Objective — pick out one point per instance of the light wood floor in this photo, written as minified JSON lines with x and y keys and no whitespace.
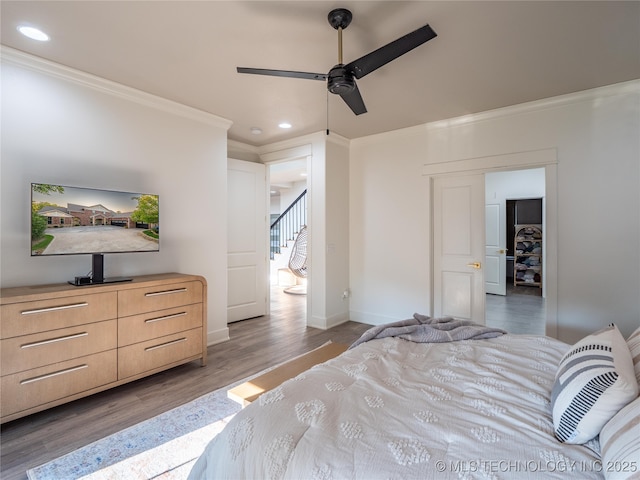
{"x":521,"y":311}
{"x":255,"y":344}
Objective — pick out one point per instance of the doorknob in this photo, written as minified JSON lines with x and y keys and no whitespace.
{"x":501,"y":251}
{"x":477,"y":265}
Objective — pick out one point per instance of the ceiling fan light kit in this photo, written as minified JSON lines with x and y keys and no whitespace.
{"x":341,"y":79}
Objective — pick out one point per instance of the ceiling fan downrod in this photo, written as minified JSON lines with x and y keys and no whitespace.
{"x":339,"y":80}
{"x":340,"y":45}
{"x":340,"y":18}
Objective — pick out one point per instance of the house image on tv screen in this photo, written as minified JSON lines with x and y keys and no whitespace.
{"x":80,"y":215}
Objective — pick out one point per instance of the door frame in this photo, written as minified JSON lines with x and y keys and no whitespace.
{"x":544,"y":158}
{"x":299,"y":152}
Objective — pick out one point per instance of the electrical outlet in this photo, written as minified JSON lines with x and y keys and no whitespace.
{"x":346,"y":294}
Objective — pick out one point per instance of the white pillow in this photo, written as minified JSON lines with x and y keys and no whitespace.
{"x":634,"y":347}
{"x":620,"y":443}
{"x":595,"y":379}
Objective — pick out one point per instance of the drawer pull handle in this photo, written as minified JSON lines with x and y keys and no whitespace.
{"x":53,"y":309}
{"x":162,"y":345}
{"x":166,"y":317}
{"x":53,"y":340}
{"x":54,"y":374}
{"x":165,"y":292}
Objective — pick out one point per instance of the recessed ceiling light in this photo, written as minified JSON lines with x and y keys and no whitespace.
{"x":256,"y":130}
{"x":33,"y":33}
{"x":284,"y":125}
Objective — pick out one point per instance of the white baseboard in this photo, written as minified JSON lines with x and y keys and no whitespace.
{"x":325,"y":323}
{"x":218,"y":336}
{"x":371,"y":318}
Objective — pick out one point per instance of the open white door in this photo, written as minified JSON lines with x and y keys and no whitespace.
{"x":247,"y":258}
{"x":459,"y":237}
{"x":495,"y":256}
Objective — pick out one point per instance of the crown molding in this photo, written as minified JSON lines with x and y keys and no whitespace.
{"x":303,"y":150}
{"x":311,"y":138}
{"x":338,"y":139}
{"x":512,"y":161}
{"x":52,"y":69}
{"x":245,"y":147}
{"x":624,"y":88}
{"x":299,"y":146}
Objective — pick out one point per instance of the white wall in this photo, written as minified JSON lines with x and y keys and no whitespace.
{"x":337,"y":233}
{"x":596,"y":137}
{"x":513,"y":185}
{"x":289,"y":195}
{"x":389,"y":216}
{"x":64,"y":127}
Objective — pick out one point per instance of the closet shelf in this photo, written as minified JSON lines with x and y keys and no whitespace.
{"x":527,"y":264}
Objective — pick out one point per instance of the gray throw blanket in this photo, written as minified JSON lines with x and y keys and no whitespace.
{"x":424,"y":329}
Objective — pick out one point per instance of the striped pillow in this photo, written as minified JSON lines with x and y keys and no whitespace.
{"x":595,"y":379}
{"x":620,"y":444}
{"x":634,"y":346}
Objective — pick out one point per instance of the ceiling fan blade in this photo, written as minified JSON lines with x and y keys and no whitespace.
{"x":354,"y":100}
{"x":283,"y":73}
{"x":376,"y":59}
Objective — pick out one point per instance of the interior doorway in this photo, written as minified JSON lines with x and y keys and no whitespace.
{"x":518,"y":303}
{"x":287,"y":192}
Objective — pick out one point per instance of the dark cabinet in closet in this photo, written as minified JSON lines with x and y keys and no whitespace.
{"x":521,"y":212}
{"x":527,"y":211}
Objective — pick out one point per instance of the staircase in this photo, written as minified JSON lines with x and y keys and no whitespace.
{"x":284,"y":230}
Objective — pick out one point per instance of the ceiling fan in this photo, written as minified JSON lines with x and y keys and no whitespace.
{"x":341,"y":79}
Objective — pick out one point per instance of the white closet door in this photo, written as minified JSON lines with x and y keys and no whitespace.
{"x":247,"y":258}
{"x":495,"y":256}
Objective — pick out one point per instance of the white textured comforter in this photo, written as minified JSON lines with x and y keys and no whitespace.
{"x":393,"y":409}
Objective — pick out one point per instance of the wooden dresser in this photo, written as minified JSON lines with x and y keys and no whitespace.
{"x":61,"y":342}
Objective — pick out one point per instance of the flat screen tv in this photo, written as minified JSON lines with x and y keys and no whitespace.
{"x":86,"y":221}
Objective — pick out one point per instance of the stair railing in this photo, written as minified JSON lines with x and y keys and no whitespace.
{"x":288,"y":224}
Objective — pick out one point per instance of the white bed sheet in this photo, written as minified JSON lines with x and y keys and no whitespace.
{"x":391,"y":408}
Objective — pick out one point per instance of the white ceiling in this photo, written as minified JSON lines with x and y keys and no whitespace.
{"x":486,"y":55}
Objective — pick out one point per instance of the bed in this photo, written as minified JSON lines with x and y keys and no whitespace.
{"x":392,"y":408}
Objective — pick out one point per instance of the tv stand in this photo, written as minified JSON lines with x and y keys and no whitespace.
{"x":60,"y":343}
{"x":97,"y":274}
{"x":89,"y":281}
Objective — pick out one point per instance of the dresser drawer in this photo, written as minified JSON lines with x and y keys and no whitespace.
{"x":139,"y":300}
{"x":146,"y":326}
{"x":36,"y":350}
{"x":141,"y":357}
{"x":31,"y":388}
{"x":55,"y":313}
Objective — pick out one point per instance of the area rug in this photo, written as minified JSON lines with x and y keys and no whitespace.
{"x":163,"y":447}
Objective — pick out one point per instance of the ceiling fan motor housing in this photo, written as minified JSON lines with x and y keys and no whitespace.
{"x":340,"y":80}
